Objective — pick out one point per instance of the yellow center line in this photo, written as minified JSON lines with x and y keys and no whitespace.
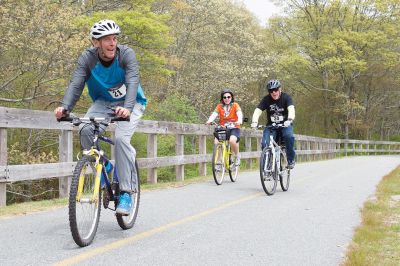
{"x":125,"y":241}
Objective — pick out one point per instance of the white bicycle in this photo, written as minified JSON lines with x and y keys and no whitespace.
{"x":274,"y":163}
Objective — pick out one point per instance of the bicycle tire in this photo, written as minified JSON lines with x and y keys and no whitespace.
{"x":233,"y":169}
{"x":218,"y":161}
{"x":127,"y":222}
{"x":284,"y":176}
{"x":84,"y":215}
{"x":268,"y":178}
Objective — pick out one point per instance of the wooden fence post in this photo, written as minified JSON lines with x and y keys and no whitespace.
{"x":179,"y":148}
{"x":3,"y":161}
{"x":202,"y":150}
{"x":152,"y":153}
{"x":65,"y":154}
{"x":247,"y":145}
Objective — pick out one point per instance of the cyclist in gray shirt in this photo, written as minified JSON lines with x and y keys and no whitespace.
{"x":111,"y":73}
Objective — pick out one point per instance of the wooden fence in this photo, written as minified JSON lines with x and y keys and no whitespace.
{"x":307,"y":148}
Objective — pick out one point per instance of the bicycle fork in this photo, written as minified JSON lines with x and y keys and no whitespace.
{"x":268,"y":160}
{"x":96,"y":189}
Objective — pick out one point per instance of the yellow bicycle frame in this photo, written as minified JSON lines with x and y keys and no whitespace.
{"x":99,"y":167}
{"x":225,"y":153}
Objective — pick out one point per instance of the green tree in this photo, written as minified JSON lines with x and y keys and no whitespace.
{"x":217,"y":44}
{"x":335,"y":51}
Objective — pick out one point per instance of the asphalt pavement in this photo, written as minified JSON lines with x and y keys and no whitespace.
{"x":205,"y":224}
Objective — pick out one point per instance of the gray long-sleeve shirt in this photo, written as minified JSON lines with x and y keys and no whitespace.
{"x":117,"y":82}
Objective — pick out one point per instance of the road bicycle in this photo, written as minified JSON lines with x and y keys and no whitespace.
{"x":90,"y":180}
{"x":274,"y":163}
{"x":222,"y":160}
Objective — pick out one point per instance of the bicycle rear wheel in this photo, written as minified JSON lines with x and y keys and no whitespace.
{"x":218,"y":166}
{"x":233,"y":168}
{"x":127,"y":222}
{"x":84,"y":209}
{"x":284,"y":176}
{"x":268,"y":177}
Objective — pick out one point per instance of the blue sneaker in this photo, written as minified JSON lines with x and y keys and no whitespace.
{"x":125,"y":204}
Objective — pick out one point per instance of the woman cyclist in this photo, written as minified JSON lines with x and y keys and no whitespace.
{"x":229,"y":112}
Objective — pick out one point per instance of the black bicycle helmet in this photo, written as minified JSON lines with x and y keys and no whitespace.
{"x":273,"y":84}
{"x":227,"y":90}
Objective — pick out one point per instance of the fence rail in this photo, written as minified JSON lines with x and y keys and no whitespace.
{"x":308,"y":148}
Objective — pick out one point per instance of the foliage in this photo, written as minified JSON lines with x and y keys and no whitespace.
{"x":34,"y":189}
{"x":344,"y":49}
{"x":174,"y":107}
{"x":217,"y":44}
{"x":38,"y":39}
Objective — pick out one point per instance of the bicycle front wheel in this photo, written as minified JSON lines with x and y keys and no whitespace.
{"x":233,"y":168}
{"x":268,"y":177}
{"x":84,"y":204}
{"x":127,"y":222}
{"x":284,"y":176}
{"x":218,"y":165}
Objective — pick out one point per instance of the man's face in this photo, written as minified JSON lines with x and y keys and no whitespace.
{"x":107,"y":47}
{"x":275,"y":93}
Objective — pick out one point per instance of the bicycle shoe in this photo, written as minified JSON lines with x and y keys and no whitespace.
{"x":291,"y":165}
{"x":237,"y":161}
{"x":125,"y":204}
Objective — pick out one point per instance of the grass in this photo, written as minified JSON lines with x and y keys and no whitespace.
{"x":377,"y":240}
{"x":37,"y":206}
{"x":30,"y":207}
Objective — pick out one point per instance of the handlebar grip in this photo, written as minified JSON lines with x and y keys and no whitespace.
{"x":117,"y":119}
{"x":65,"y":119}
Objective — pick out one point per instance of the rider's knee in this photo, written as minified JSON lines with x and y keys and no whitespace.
{"x":121,"y":141}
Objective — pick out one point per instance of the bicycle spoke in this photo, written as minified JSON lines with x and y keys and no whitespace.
{"x":267,"y":174}
{"x":218,"y":165}
{"x":233,"y":168}
{"x":284,"y":176}
{"x":84,"y":211}
{"x":127,"y":222}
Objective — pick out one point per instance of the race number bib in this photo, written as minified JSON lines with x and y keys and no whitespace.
{"x":118,"y":93}
{"x":276,"y":118}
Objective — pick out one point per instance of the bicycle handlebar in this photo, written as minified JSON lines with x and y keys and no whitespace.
{"x":272,"y":126}
{"x":229,"y":125}
{"x":104,"y":120}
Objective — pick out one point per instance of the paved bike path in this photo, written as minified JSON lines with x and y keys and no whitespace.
{"x":205,"y":224}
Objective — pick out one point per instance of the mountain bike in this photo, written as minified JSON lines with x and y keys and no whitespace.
{"x":222,"y":160}
{"x":90,"y":180}
{"x":274,"y":163}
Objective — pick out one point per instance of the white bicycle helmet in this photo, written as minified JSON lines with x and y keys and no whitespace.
{"x":103,"y":28}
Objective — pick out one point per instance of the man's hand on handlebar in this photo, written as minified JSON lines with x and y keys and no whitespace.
{"x":287,"y":123}
{"x":122,"y":112}
{"x":60,"y":112}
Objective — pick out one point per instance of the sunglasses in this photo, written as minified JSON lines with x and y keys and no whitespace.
{"x":226,"y":97}
{"x":274,"y":90}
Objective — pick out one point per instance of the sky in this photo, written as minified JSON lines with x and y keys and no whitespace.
{"x":263,"y":9}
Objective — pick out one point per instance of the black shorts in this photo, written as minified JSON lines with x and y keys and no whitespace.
{"x":236,"y":132}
